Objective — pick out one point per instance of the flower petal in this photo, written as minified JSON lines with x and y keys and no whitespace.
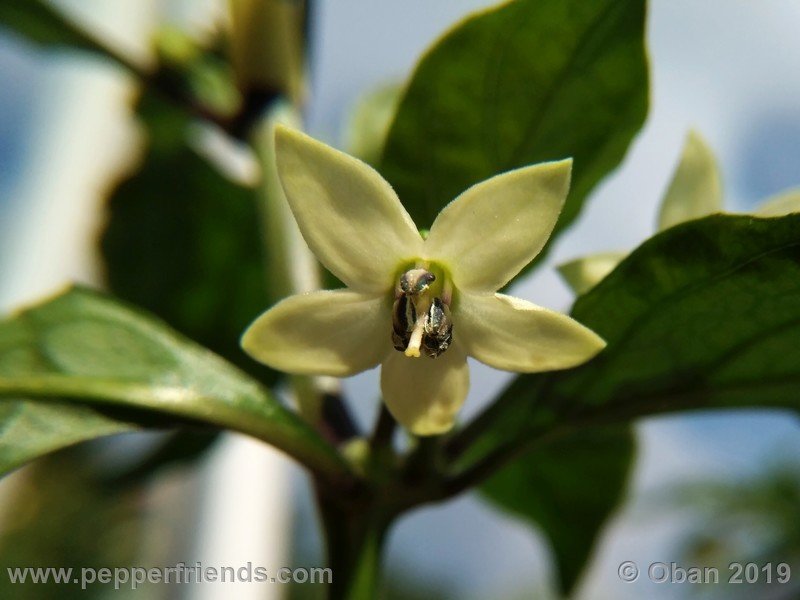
{"x":582,"y":274}
{"x":515,"y":335}
{"x":335,"y":333}
{"x":695,"y":190}
{"x":348,"y":214}
{"x":496,"y":227}
{"x":425,"y":394}
{"x":780,"y":205}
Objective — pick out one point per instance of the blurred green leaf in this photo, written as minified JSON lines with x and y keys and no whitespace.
{"x":567,"y":489}
{"x":703,"y":315}
{"x":183,"y":241}
{"x":749,"y":521}
{"x":89,"y":348}
{"x":55,"y":515}
{"x":44,"y":25}
{"x":369,"y":122}
{"x":531,"y":81}
{"x":29,"y":429}
{"x":200,"y":86}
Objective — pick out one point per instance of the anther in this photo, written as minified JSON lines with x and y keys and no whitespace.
{"x":404,"y":315}
{"x":438,"y":329}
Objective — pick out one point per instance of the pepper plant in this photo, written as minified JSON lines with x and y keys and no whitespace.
{"x":517,"y":113}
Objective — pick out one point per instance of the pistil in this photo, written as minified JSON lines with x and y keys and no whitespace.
{"x":415,"y":342}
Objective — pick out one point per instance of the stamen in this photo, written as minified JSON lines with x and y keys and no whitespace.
{"x":438,"y":329}
{"x":421,"y":321}
{"x":404,"y":315}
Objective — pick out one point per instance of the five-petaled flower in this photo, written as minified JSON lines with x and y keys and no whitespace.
{"x":417,"y":306}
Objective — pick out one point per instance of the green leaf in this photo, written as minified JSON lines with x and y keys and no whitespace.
{"x":43,"y":25}
{"x":705,"y":315}
{"x":29,"y":429}
{"x":531,"y":81}
{"x":90,"y":349}
{"x":567,"y":488}
{"x":184,"y":242}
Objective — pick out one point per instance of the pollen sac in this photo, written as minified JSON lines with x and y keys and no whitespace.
{"x":415,"y":282}
{"x":438,"y":329}
{"x":404,"y":315}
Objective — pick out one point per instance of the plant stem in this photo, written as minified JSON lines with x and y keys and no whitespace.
{"x":481,"y":470}
{"x":384,"y":430}
{"x":355,"y":527}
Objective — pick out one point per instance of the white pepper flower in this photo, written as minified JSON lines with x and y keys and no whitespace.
{"x":417,"y":307}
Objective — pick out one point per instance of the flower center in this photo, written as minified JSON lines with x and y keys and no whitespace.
{"x":421,"y":314}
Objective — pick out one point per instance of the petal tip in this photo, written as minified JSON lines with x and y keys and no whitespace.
{"x":283,"y":132}
{"x":427,"y":425}
{"x":289,"y":139}
{"x":565,"y":163}
{"x":564,"y":166}
{"x":431,"y":429}
{"x":599,"y":344}
{"x":250,"y":340}
{"x":592,"y":344}
{"x":558,"y":167}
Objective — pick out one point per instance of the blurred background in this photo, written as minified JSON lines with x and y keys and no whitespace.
{"x":707,"y":489}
